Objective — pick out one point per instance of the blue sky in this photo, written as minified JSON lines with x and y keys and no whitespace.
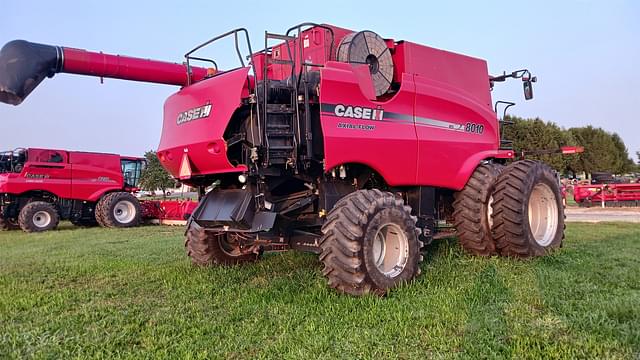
{"x":585,"y":54}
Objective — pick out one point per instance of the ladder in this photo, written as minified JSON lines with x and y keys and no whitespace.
{"x":281,"y":130}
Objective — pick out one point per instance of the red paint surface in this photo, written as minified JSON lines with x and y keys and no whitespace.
{"x":83,"y":62}
{"x":391,"y":148}
{"x":202,"y":139}
{"x":168,"y":209}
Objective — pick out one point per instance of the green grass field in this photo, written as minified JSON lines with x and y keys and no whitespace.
{"x":107,"y":293}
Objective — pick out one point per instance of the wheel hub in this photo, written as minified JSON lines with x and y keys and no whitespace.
{"x":543,"y":214}
{"x":124,"y":212}
{"x":390,"y":250}
{"x":41,"y":219}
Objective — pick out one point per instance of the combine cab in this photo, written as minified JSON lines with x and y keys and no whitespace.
{"x":344,"y":143}
{"x":40,"y":187}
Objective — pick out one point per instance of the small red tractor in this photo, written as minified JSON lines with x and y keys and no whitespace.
{"x":340,"y":142}
{"x":40,"y":187}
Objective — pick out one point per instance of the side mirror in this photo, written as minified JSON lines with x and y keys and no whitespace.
{"x":527,"y":84}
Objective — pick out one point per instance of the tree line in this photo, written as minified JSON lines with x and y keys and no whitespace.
{"x":603,"y":151}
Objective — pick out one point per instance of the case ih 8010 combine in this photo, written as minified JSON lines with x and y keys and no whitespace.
{"x":39,"y":187}
{"x":338,"y":142}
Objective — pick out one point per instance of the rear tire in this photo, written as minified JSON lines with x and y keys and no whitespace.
{"x":8,"y":224}
{"x":528,"y":216}
{"x":38,"y":216}
{"x":118,"y":209}
{"x":208,"y":249}
{"x":472,"y":211}
{"x":370,"y":243}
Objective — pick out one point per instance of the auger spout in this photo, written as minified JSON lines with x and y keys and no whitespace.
{"x":23,"y":66}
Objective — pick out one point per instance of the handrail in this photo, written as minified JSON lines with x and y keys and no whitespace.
{"x":215,"y":64}
{"x":235,"y":38}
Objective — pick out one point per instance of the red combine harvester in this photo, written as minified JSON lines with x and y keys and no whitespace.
{"x":40,"y":187}
{"x":337,"y":142}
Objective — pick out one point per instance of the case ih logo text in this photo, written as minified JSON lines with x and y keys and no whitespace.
{"x":194,"y":114}
{"x":36,"y":176}
{"x":357,"y":112}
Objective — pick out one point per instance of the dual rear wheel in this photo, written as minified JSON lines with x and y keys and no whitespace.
{"x":118,"y":209}
{"x":512,"y":211}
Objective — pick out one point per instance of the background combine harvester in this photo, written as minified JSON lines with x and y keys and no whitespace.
{"x":333,"y":141}
{"x":40,"y":187}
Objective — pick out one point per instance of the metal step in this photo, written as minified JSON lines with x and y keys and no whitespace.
{"x":279,"y":62}
{"x":278,"y":126}
{"x":280,"y":147}
{"x":280,"y":134}
{"x":279,"y":109}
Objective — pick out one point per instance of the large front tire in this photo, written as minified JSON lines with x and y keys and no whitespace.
{"x":370,"y":243}
{"x":472,"y":211}
{"x":38,"y":216}
{"x":208,"y":249}
{"x":528,"y":216}
{"x":118,"y":209}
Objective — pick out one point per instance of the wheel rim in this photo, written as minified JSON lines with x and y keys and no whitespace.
{"x":41,"y":219}
{"x":124,"y":212}
{"x":490,"y":212}
{"x":390,"y":250}
{"x":543,"y":214}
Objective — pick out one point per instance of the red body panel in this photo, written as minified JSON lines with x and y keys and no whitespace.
{"x":202,"y":138}
{"x":447,"y":154}
{"x":94,"y":175}
{"x":422,"y":139}
{"x":467,"y":75}
{"x":388,"y":147}
{"x":66,"y":174}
